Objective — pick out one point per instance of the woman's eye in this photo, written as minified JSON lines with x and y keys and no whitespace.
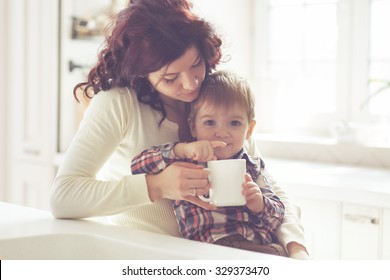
{"x":170,"y":81}
{"x":209,"y":122}
{"x":198,"y":63}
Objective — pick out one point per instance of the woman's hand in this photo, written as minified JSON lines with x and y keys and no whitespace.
{"x":180,"y":181}
{"x":297,"y":251}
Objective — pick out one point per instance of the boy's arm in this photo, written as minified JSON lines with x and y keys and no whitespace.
{"x":182,"y":151}
{"x":273,"y":210}
{"x":157,"y":158}
{"x":202,"y":150}
{"x":153,"y":160}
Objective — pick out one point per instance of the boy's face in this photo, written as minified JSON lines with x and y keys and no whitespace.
{"x":230,"y":126}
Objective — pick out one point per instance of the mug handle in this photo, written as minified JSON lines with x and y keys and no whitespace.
{"x":205,"y":199}
{"x":210,"y":198}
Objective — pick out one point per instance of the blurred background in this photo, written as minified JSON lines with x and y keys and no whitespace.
{"x":320,"y":70}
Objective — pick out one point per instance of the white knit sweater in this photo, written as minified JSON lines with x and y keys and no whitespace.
{"x":95,"y":178}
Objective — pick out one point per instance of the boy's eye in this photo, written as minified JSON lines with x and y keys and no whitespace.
{"x":235,"y":123}
{"x":209,"y":122}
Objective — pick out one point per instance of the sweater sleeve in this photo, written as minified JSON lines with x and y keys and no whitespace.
{"x":291,"y":229}
{"x":76,"y":193}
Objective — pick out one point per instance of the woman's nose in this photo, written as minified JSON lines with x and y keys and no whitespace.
{"x":190,"y":82}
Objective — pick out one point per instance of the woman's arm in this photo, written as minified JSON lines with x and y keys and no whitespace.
{"x":291,"y":233}
{"x":76,"y":193}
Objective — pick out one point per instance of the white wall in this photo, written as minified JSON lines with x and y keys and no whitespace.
{"x":2,"y":96}
{"x":233,"y":21}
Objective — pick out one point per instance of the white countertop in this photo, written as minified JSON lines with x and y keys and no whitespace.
{"x":28,"y":233}
{"x":361,"y":185}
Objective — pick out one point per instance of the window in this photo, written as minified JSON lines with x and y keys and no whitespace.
{"x":380,"y":57}
{"x":313,"y":60}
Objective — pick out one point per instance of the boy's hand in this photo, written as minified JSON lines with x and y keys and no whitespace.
{"x":253,"y":195}
{"x":202,"y":150}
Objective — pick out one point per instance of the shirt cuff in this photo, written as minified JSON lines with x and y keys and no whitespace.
{"x":167,"y":153}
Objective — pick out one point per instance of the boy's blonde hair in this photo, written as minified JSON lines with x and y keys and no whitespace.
{"x":224,"y":89}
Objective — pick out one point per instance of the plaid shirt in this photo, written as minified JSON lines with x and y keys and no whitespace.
{"x":199,"y":224}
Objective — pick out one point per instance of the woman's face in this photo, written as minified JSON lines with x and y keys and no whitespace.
{"x":181,"y":79}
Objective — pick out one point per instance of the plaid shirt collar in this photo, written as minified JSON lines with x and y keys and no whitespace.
{"x":253,"y":164}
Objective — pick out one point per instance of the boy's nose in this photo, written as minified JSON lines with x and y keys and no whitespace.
{"x":222,"y":133}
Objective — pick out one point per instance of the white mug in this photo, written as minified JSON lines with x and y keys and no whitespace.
{"x":226,"y":179}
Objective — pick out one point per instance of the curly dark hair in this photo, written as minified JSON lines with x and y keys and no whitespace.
{"x":147,"y":35}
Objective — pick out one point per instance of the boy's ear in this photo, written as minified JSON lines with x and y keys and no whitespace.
{"x":191,"y":125}
{"x":250,"y":129}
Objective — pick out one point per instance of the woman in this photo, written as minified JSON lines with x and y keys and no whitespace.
{"x":155,"y":58}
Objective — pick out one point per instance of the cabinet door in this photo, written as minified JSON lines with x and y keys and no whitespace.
{"x":321,"y":220}
{"x":386,"y":234}
{"x":360,"y":232}
{"x":31,"y":185}
{"x":33,"y":79}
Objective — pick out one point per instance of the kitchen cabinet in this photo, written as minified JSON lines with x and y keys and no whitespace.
{"x":322,"y":226}
{"x":344,"y":208}
{"x":360,"y":234}
{"x":46,"y":59}
{"x":336,"y":230}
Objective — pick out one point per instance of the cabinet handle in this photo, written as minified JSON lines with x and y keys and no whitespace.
{"x":361,"y":219}
{"x":32,"y":152}
{"x":72,"y":66}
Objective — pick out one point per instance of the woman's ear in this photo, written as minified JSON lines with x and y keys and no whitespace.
{"x":191,"y":125}
{"x":250,"y":129}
